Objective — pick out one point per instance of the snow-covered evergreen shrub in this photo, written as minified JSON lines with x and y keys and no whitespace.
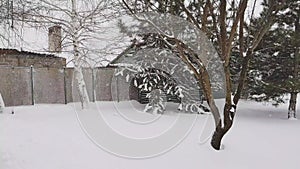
{"x":157,"y":102}
{"x":151,"y":64}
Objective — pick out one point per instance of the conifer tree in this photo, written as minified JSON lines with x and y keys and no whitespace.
{"x":275,"y":68}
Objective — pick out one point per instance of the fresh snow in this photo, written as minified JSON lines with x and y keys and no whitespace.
{"x":50,"y":137}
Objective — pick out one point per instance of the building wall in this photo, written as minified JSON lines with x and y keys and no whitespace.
{"x":15,"y":86}
{"x":16,"y":58}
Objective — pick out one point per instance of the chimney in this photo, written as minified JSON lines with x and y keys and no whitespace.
{"x":54,"y":38}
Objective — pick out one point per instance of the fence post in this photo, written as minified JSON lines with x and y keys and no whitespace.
{"x":32,"y":86}
{"x":117,"y":85}
{"x":12,"y":90}
{"x":93,"y":85}
{"x":65,"y":86}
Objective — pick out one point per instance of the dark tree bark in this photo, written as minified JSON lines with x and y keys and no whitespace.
{"x":231,"y":105}
{"x":293,"y":98}
{"x":223,"y":126}
{"x":292,"y":105}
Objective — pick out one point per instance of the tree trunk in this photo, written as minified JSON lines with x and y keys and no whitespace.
{"x":79,"y":80}
{"x":81,"y":86}
{"x":218,"y":135}
{"x":292,"y":105}
{"x":293,"y":98}
{"x":78,"y":75}
{"x":226,"y":46}
{"x":223,"y":127}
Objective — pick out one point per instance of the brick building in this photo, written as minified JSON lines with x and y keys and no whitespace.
{"x":15,"y":58}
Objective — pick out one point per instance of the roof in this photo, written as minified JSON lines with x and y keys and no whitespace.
{"x":7,"y":51}
{"x":116,"y":59}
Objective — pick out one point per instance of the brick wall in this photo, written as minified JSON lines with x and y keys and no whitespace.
{"x":17,"y":58}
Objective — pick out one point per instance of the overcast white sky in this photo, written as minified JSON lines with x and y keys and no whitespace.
{"x":258,"y":7}
{"x":37,"y":39}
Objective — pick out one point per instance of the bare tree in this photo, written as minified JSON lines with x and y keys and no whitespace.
{"x":5,"y":20}
{"x":82,"y":24}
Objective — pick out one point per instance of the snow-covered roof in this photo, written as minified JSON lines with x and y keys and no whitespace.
{"x":8,"y":51}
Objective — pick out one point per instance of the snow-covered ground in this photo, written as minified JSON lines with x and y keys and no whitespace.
{"x":51,"y":137}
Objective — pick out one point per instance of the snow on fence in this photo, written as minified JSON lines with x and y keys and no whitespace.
{"x":28,"y":85}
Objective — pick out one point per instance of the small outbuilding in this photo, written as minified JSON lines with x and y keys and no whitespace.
{"x":16,"y":58}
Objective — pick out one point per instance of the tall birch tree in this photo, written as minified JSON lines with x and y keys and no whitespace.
{"x":82,"y":24}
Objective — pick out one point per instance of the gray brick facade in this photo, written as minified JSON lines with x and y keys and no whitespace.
{"x":15,"y":58}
